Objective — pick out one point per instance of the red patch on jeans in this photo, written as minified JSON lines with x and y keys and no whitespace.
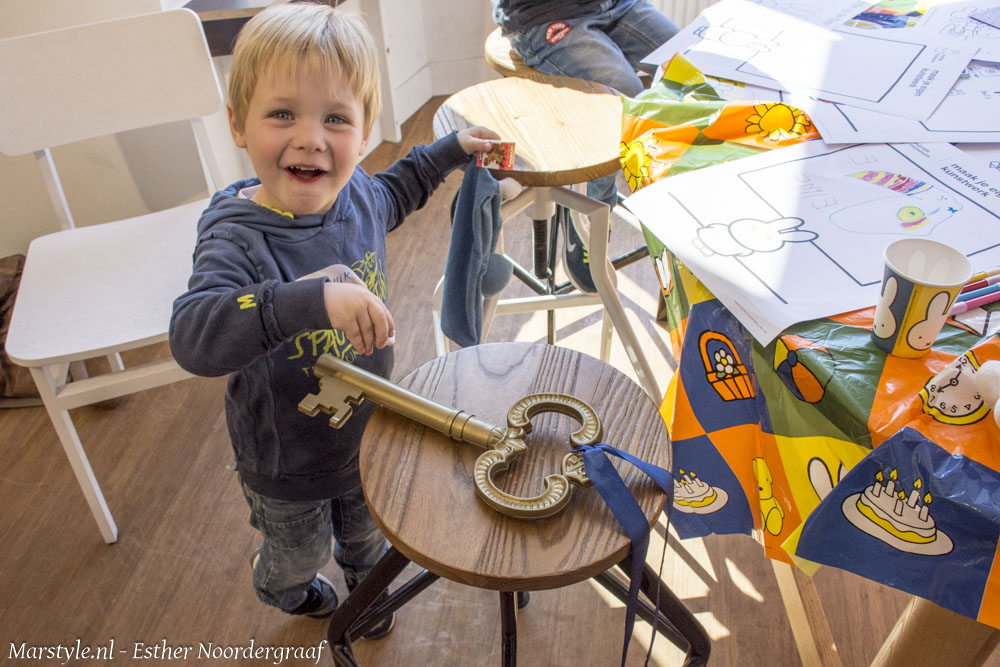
{"x":555,"y":32}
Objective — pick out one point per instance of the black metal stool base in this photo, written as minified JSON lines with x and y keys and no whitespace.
{"x":357,"y":614}
{"x":353,"y":617}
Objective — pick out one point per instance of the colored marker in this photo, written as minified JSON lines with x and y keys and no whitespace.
{"x":963,"y":306}
{"x":992,"y":280}
{"x":983,"y":275}
{"x":976,"y":293}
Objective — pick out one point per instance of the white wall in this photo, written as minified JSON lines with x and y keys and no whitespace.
{"x":431,"y":47}
{"x":682,"y":12}
{"x":455,"y":34}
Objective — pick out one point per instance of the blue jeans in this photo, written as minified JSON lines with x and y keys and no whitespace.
{"x":605,"y":47}
{"x":297,"y":538}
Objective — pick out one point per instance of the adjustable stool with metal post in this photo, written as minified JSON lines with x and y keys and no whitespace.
{"x":506,"y":61}
{"x":566,"y":132}
{"x":423,"y":488}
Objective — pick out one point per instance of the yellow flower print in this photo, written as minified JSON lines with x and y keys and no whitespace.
{"x":635,"y":162}
{"x":774,"y":121}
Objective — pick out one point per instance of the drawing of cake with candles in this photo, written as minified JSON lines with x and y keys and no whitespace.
{"x":693,"y":496}
{"x":902,"y":520}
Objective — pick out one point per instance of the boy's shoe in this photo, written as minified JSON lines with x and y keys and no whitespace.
{"x":576,"y":257}
{"x":320,"y":600}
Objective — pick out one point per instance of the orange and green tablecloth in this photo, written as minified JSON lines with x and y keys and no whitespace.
{"x":819,"y":445}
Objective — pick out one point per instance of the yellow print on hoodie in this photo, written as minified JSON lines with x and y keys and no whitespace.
{"x":310,"y":344}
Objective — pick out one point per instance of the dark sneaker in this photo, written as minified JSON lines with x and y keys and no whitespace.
{"x":576,"y":257}
{"x":320,"y":600}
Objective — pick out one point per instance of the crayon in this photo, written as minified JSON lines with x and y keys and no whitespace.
{"x":976,"y":293}
{"x":963,"y":306}
{"x":992,"y":280}
{"x":983,"y":275}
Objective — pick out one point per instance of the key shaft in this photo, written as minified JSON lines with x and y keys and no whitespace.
{"x":342,"y":385}
{"x":453,"y":422}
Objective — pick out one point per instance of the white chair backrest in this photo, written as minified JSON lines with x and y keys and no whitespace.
{"x":21,"y":17}
{"x":101,"y":78}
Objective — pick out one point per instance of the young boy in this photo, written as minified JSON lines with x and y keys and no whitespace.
{"x":291,"y":265}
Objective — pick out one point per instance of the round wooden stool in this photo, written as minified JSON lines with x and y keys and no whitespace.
{"x":565,"y":133}
{"x":567,"y":130}
{"x":419,"y":487}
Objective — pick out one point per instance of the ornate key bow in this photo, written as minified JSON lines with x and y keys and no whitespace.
{"x":343,"y":384}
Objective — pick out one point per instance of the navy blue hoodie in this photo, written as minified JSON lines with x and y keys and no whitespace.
{"x":246,"y":314}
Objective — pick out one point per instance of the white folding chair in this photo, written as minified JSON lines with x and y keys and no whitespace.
{"x":98,"y":290}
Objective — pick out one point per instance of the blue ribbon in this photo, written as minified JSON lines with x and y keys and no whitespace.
{"x":619,"y":500}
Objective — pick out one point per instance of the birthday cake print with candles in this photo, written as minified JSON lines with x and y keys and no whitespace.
{"x":885,"y":511}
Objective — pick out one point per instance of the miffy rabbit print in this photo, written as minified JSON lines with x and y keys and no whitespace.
{"x":747,"y":236}
{"x":922,"y":280}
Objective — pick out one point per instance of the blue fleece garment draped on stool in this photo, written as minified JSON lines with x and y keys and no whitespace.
{"x":473,"y":271}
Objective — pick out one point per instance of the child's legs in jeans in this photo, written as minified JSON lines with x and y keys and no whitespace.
{"x":581,"y":50}
{"x":639,"y":29}
{"x":359,"y":543}
{"x":605,"y":46}
{"x":296,"y":544}
{"x":297,"y":537}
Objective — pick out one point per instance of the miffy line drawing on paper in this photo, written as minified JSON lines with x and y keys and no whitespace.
{"x":748,"y":235}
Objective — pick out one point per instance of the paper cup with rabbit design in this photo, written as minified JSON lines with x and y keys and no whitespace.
{"x":919,"y":286}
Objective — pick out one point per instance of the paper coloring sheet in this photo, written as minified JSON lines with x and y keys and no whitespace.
{"x":831,"y":14}
{"x":826,"y":13}
{"x":947,"y":22}
{"x":756,"y":45}
{"x":970,"y":113}
{"x":798,"y":233}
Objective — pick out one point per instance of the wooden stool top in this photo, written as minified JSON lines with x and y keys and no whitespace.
{"x":419,"y":485}
{"x":566,"y":132}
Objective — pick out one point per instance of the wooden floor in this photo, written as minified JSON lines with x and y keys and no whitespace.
{"x":179,"y":575}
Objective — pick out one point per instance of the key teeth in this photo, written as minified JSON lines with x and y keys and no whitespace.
{"x":339,"y":417}
{"x":310,"y":405}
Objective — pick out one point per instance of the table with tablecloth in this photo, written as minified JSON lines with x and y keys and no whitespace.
{"x":819,"y":445}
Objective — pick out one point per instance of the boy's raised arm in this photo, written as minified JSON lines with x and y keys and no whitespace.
{"x":409,"y":182}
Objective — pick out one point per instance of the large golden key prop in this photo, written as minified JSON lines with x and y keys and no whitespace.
{"x":342,"y":384}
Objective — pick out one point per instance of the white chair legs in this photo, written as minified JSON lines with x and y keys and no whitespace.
{"x":59,"y":396}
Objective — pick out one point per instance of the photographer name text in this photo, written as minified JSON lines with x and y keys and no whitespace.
{"x":164,"y":650}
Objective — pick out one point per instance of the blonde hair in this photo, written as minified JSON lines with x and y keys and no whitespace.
{"x":284,"y":37}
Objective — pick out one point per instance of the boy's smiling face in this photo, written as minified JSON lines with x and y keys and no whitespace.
{"x":304,"y":135}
